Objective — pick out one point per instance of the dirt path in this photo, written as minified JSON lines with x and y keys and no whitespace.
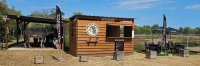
{"x":60,"y":58}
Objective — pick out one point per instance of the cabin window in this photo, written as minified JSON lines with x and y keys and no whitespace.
{"x":113,"y":31}
{"x":119,"y":31}
{"x":127,"y":31}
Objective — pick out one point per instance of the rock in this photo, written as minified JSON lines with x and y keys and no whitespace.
{"x":184,"y":53}
{"x":151,"y":54}
{"x":83,"y":58}
{"x":39,"y":59}
{"x":118,"y":55}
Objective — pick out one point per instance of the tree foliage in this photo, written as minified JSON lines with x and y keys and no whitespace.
{"x":146,"y":29}
{"x":78,"y":13}
{"x":4,"y":10}
{"x":49,"y":13}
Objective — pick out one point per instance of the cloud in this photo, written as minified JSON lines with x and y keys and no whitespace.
{"x":139,"y":4}
{"x":193,"y":6}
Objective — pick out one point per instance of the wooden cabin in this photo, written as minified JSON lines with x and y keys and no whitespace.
{"x":100,"y":36}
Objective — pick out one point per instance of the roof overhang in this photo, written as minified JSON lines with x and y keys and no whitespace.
{"x":100,"y":18}
{"x":33,"y":19}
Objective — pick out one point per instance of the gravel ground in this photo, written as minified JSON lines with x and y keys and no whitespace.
{"x":60,"y":58}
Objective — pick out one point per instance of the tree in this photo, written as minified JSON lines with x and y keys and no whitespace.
{"x":4,"y":9}
{"x":78,"y":13}
{"x":138,"y":29}
{"x":180,"y":30}
{"x":147,"y":29}
{"x":49,"y":13}
{"x":155,"y":27}
{"x":187,"y":30}
{"x":197,"y":31}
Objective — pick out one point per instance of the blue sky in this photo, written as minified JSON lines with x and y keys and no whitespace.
{"x":180,"y":13}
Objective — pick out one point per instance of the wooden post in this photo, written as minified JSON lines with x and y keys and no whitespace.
{"x":197,"y":39}
{"x":23,"y":30}
{"x":25,"y":24}
{"x":133,"y":34}
{"x":63,"y":35}
{"x":6,"y":34}
{"x":133,"y":29}
{"x":17,"y":30}
{"x":6,"y":31}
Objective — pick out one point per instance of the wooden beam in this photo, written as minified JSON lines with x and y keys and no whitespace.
{"x":6,"y":33}
{"x":24,"y":29}
{"x":33,"y":19}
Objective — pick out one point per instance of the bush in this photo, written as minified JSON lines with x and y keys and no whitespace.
{"x":139,"y":48}
{"x":66,"y":36}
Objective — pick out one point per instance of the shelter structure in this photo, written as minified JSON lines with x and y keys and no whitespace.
{"x":28,"y":19}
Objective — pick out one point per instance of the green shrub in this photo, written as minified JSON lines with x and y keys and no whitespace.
{"x":139,"y":48}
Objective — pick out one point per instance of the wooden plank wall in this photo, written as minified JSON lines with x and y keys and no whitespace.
{"x":103,"y":47}
{"x":73,"y":39}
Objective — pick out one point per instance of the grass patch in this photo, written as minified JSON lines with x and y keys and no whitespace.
{"x":167,"y":53}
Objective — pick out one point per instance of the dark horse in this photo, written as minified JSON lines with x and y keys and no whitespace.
{"x":42,"y":35}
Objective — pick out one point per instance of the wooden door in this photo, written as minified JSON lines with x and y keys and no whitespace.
{"x":119,"y":45}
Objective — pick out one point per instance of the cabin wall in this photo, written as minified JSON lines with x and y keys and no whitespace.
{"x":73,"y":39}
{"x":79,"y":45}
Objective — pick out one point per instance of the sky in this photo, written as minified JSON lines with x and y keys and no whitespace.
{"x":179,"y":13}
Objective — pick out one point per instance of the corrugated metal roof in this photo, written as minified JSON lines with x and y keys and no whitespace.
{"x":100,"y":18}
{"x":33,"y":19}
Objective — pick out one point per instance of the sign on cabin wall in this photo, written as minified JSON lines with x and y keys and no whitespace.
{"x":92,"y":29}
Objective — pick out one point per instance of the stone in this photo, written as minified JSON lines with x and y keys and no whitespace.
{"x":184,"y":53}
{"x":39,"y":59}
{"x":83,"y":58}
{"x":118,"y":55}
{"x":151,"y":54}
